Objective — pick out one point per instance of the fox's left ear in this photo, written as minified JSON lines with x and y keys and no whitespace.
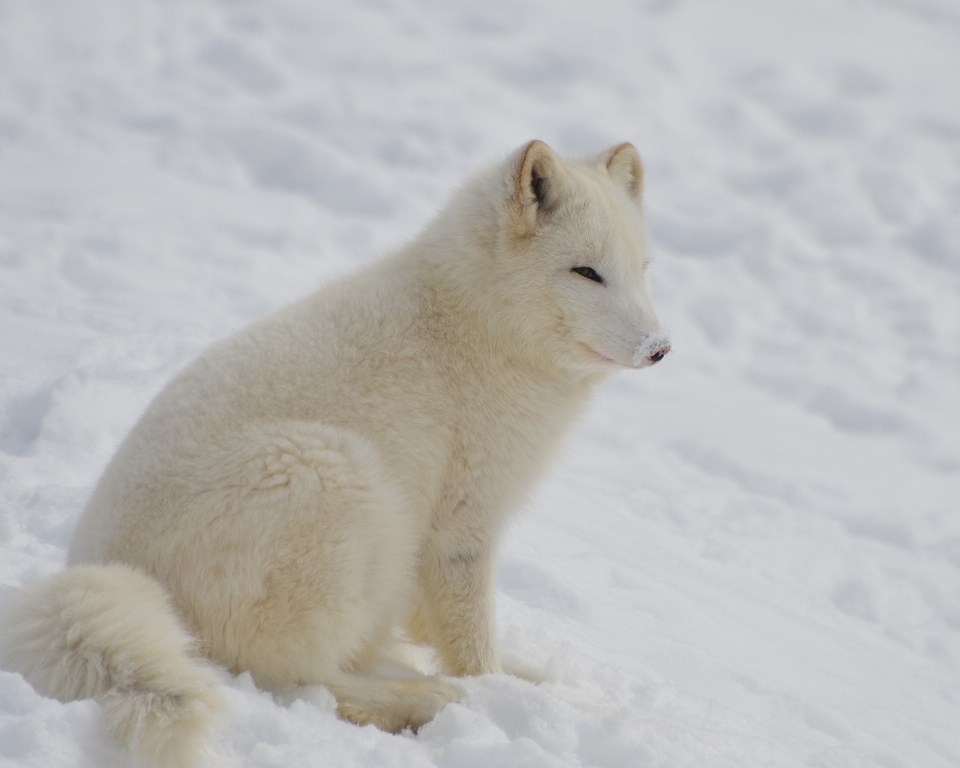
{"x":625,"y":168}
{"x":534,"y":179}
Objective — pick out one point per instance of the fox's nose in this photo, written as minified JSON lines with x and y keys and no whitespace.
{"x":653,"y":348}
{"x":657,"y":356}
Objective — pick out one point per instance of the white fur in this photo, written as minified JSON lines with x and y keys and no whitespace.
{"x":345,"y":466}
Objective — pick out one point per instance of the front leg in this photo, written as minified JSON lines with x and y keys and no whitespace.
{"x":457,"y":611}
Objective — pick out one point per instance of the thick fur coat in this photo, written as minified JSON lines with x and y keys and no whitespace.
{"x":344,"y":467}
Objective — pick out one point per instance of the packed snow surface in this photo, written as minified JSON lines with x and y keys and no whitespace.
{"x":749,"y":554}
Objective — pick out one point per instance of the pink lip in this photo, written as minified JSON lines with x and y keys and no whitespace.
{"x":603,"y":358}
{"x":647,"y":362}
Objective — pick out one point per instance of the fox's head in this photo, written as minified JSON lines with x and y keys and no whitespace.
{"x":560,"y":257}
{"x":578,"y":233}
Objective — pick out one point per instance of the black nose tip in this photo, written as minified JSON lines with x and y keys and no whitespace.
{"x":656,"y":357}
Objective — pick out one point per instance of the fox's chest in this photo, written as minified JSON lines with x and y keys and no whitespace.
{"x":500,"y":449}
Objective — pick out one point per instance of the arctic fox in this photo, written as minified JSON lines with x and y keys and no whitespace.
{"x":345,"y":467}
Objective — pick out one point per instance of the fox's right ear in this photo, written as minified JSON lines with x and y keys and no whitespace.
{"x":625,"y":168}
{"x":534,"y":185}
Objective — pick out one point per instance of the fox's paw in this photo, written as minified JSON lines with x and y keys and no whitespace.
{"x":399,"y":705}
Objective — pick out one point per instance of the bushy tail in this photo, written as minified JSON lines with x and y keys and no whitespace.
{"x":111,"y":633}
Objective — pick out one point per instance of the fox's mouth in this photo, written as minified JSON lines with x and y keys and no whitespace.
{"x":602,"y":358}
{"x":652,"y":350}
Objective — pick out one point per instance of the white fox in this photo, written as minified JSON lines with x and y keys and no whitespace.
{"x":344,"y":467}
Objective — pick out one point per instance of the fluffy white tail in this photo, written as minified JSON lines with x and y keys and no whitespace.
{"x":111,"y":633}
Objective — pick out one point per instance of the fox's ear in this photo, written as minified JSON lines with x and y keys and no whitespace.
{"x":625,"y":168}
{"x":534,"y":180}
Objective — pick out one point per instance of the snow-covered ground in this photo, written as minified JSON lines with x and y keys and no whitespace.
{"x":749,"y":554}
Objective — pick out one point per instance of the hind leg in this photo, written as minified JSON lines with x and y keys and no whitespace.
{"x":304,"y":557}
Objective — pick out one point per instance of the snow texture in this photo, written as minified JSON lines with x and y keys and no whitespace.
{"x":749,"y":554}
{"x":658,"y":341}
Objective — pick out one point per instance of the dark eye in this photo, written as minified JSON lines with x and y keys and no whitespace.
{"x":588,"y":272}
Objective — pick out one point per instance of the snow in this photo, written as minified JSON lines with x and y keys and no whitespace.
{"x":749,"y":554}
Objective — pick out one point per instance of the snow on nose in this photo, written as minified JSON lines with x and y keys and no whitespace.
{"x":653,"y":348}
